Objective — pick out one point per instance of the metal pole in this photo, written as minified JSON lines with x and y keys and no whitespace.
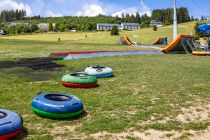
{"x":175,"y":22}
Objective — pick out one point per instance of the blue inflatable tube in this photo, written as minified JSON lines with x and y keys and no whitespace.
{"x":58,"y":103}
{"x":107,"y":75}
{"x":9,"y":122}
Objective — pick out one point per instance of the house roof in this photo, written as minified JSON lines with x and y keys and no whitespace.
{"x":156,"y":21}
{"x":107,"y":24}
{"x":134,"y":24}
{"x":127,"y":24}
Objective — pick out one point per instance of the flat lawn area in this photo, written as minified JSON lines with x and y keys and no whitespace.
{"x":153,"y":96}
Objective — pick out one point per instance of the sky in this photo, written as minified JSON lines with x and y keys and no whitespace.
{"x":56,"y":8}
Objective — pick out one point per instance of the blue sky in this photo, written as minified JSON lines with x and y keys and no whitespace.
{"x":94,"y":7}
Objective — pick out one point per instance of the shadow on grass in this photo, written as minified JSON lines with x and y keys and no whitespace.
{"x":32,"y":69}
{"x":96,"y":86}
{"x":81,"y":116}
{"x":23,"y":134}
{"x":33,"y":63}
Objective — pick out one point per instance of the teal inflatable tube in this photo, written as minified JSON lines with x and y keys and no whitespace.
{"x":108,"y":75}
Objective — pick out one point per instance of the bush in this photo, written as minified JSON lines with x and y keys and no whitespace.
{"x":154,"y":28}
{"x":114,"y":31}
{"x":34,"y":28}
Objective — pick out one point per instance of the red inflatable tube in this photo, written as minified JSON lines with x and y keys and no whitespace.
{"x":78,"y":85}
{"x":10,"y":135}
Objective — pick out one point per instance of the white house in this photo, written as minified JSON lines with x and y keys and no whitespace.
{"x":16,"y":23}
{"x":106,"y":26}
{"x":156,"y":23}
{"x":2,"y":32}
{"x":122,"y":26}
{"x":73,"y":30}
{"x":44,"y":26}
{"x":130,"y":26}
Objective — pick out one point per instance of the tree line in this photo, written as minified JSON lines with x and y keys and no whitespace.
{"x":166,"y":15}
{"x":69,"y":22}
{"x":12,"y":15}
{"x":29,"y":24}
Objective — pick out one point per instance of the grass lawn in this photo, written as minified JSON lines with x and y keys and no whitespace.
{"x":153,"y":96}
{"x":145,"y":36}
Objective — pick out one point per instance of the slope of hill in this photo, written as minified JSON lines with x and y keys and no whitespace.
{"x":146,"y":35}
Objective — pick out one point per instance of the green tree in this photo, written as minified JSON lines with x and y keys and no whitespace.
{"x":61,"y":27}
{"x":138,"y":18}
{"x":34,"y":27}
{"x":192,"y":18}
{"x":145,"y":20}
{"x":154,"y":28}
{"x":164,"y":15}
{"x":114,"y":31}
{"x":132,"y":19}
{"x":26,"y":29}
{"x":57,"y":26}
{"x":197,"y":32}
{"x":50,"y":27}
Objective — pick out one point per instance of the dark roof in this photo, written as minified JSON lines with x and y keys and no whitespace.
{"x":135,"y":24}
{"x":107,"y":24}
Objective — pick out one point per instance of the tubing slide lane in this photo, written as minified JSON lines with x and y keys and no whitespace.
{"x":157,"y":41}
{"x":92,"y":55}
{"x":127,"y":40}
{"x":62,"y":55}
{"x":176,"y":42}
{"x":86,"y":52}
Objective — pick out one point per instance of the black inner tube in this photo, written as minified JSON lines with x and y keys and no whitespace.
{"x":2,"y":115}
{"x":57,"y":97}
{"x":80,"y":74}
{"x":98,"y":67}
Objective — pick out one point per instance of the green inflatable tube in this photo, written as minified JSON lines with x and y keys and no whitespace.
{"x":56,"y":116}
{"x":79,"y":78}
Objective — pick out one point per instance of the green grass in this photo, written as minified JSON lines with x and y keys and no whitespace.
{"x":146,"y":35}
{"x":144,"y":87}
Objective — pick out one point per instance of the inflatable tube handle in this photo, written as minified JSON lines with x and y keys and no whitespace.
{"x":99,"y":70}
{"x":74,"y":104}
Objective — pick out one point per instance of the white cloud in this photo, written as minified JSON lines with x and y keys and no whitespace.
{"x":90,"y":10}
{"x":58,"y":8}
{"x":53,"y":14}
{"x":144,"y":9}
{"x":11,"y":4}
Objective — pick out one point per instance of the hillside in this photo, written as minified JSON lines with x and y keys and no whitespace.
{"x":145,"y":36}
